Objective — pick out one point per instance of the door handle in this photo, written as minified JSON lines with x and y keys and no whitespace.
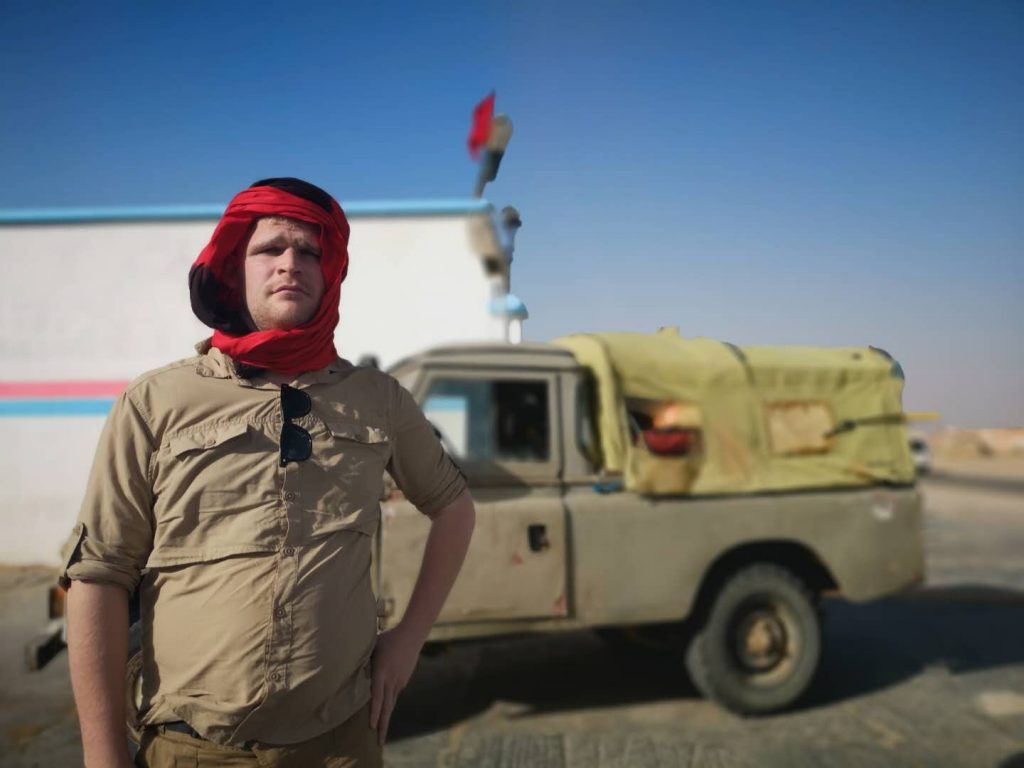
{"x":538,"y":537}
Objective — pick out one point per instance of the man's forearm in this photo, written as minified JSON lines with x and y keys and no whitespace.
{"x":97,"y":625}
{"x":447,"y":543}
{"x":394,"y":658}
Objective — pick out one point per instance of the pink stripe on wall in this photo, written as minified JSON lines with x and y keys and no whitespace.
{"x":62,"y":388}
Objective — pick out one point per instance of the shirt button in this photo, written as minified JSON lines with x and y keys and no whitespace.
{"x":279,"y":613}
{"x":275,"y":676}
{"x":209,"y":443}
{"x":288,"y":551}
{"x":290,"y":496}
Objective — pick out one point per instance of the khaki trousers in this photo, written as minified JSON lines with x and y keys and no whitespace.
{"x":353,"y":744}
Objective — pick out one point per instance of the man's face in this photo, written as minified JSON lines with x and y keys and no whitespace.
{"x":283,"y":279}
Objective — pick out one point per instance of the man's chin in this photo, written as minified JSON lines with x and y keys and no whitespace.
{"x":286,"y":321}
{"x":288,"y":324}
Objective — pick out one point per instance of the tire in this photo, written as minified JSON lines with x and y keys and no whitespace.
{"x":760,"y":645}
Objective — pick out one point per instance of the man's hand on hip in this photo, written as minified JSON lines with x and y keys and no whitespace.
{"x":398,"y":649}
{"x":394,"y":660}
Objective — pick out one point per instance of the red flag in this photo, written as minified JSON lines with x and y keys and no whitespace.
{"x":480,"y":130}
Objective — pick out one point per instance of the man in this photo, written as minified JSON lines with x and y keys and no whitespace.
{"x":246,"y":482}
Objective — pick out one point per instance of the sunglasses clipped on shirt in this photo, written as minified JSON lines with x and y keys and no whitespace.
{"x":296,"y":443}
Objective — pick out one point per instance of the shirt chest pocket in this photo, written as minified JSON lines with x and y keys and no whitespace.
{"x":215,"y":490}
{"x":209,"y":473}
{"x":350,"y":466}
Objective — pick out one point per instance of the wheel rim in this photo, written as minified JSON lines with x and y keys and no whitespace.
{"x":765,"y":641}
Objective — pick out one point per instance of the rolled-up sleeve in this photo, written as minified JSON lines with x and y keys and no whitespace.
{"x":419,"y":465}
{"x":114,"y":533}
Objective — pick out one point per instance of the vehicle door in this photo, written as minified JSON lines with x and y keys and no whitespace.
{"x":502,"y":428}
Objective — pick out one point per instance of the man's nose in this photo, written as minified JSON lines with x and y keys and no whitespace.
{"x":289,"y":261}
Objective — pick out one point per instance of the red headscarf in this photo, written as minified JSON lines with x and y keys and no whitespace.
{"x":305,"y":348}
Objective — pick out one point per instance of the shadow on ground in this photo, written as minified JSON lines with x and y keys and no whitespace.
{"x":961,"y":629}
{"x":867,"y":648}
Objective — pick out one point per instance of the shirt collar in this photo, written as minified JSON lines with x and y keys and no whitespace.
{"x":214,"y":363}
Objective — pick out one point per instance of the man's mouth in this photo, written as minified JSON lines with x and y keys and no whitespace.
{"x":290,"y":289}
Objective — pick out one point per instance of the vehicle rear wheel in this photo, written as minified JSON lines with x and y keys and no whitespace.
{"x":760,"y":645}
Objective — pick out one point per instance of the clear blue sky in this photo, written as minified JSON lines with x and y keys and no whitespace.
{"x":764,"y":172}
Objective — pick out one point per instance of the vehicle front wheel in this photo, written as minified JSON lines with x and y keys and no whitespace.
{"x":759,"y":647}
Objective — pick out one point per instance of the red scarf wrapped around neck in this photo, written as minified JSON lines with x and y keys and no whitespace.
{"x":307,"y":347}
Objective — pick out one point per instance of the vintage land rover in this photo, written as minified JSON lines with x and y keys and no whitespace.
{"x":651,"y":481}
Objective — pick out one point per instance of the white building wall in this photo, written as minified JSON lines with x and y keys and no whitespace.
{"x":108,"y":301}
{"x":412,"y":284}
{"x":46,"y":462}
{"x":97,"y":301}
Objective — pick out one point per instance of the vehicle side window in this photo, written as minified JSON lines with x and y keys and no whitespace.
{"x":586,"y":421}
{"x":488,"y":420}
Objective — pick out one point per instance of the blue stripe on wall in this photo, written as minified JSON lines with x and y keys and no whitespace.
{"x":92,"y":407}
{"x":441,"y":207}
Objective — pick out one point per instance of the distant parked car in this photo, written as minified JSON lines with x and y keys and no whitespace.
{"x":921,"y":454}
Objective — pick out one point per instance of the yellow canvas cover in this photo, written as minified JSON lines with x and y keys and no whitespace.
{"x":768,"y":418}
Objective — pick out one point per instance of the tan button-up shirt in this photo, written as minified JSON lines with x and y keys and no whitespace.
{"x":257,"y":608}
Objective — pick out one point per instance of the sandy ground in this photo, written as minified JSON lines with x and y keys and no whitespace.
{"x":38,"y":725}
{"x":1007,"y":467}
{"x":932,"y":678}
